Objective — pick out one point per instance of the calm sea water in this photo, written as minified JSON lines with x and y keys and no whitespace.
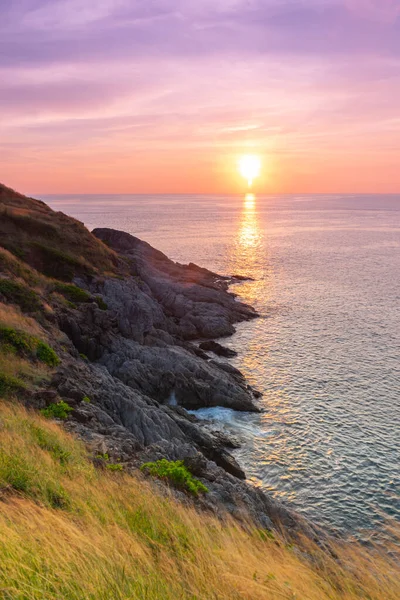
{"x":325,"y":351}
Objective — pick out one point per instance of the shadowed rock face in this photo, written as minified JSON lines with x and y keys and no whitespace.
{"x":195,"y":300}
{"x":142,"y":339}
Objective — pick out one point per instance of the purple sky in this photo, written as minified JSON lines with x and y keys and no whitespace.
{"x":120,"y":95}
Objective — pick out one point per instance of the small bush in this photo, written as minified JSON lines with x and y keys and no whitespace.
{"x":23,"y":343}
{"x":47,"y":355}
{"x":20,"y":294}
{"x":176,"y":473}
{"x":103,"y":456}
{"x":59,"y":410}
{"x":83,"y":356}
{"x":86,"y":399}
{"x":10,"y":385}
{"x":72,"y":292}
{"x":100,"y":303}
{"x":27,"y":346}
{"x":114,"y":467}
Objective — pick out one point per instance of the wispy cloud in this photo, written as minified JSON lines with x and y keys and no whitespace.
{"x":79,"y":79}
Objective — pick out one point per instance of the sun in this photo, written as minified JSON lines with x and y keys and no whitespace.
{"x":250,"y":167}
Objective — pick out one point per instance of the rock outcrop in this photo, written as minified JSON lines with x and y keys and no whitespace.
{"x":129,"y":367}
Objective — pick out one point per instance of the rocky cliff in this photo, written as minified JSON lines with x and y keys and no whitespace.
{"x":124,"y":320}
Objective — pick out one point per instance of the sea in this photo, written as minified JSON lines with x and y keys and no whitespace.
{"x":325,"y":351}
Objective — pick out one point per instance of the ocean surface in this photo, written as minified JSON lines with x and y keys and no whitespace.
{"x":325,"y":351}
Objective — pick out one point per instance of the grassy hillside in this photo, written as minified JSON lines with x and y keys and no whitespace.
{"x":55,"y":244}
{"x":70,"y":531}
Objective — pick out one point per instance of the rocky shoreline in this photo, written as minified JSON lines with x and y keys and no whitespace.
{"x":135,"y":333}
{"x":143,"y":370}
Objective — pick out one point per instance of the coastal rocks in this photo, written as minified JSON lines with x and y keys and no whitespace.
{"x":159,"y":372}
{"x":196,"y":300}
{"x":132,"y":429}
{"x":120,"y":413}
{"x":218,"y":349}
{"x":146,"y":372}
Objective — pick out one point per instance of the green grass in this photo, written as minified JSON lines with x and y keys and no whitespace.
{"x":72,"y":292}
{"x":100,"y":303}
{"x":20,"y":294}
{"x":27,"y":346}
{"x":59,"y":410}
{"x":10,"y":385}
{"x":105,"y":459}
{"x":31,"y":225}
{"x":48,"y":440}
{"x":175,"y":473}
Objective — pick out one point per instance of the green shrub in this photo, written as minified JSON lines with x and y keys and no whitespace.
{"x":15,"y":250}
{"x":23,"y":343}
{"x":103,"y":456}
{"x":60,"y":410}
{"x":27,"y":346}
{"x":72,"y":292}
{"x":100,"y":303}
{"x":114,"y":467}
{"x":10,"y":385}
{"x":20,"y":294}
{"x":176,"y":473}
{"x":86,"y":399}
{"x":83,"y":356}
{"x":47,"y":355}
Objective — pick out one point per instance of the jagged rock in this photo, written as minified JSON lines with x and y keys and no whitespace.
{"x":218,"y":349}
{"x":195,"y":297}
{"x":159,"y":372}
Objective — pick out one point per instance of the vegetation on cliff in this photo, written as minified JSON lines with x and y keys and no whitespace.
{"x":68,"y":530}
{"x":54,"y":244}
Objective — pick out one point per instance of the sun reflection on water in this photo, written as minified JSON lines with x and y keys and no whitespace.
{"x":249,"y":238}
{"x":269,"y":438}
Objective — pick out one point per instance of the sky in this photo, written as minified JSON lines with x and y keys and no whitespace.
{"x":164,"y":96}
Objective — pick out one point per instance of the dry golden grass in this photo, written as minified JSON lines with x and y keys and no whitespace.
{"x":11,"y":265}
{"x":114,"y":537}
{"x":23,"y":370}
{"x":11,"y":316}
